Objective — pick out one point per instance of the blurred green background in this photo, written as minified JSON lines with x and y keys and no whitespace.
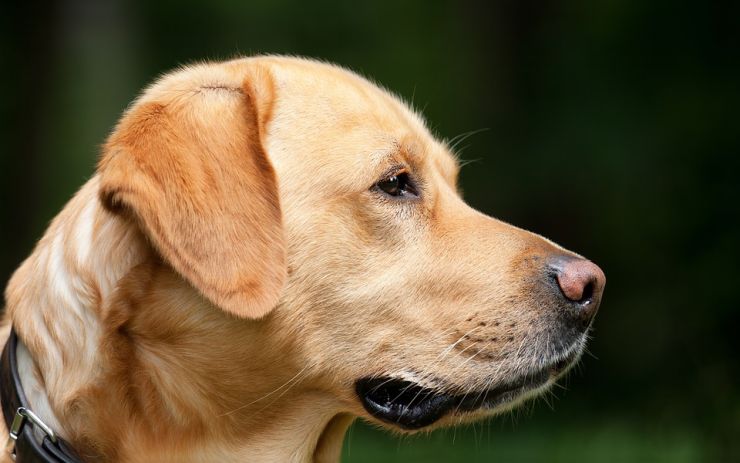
{"x":612,"y":128}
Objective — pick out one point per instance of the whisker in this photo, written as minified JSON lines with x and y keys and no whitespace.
{"x":455,"y":141}
{"x":278,"y":397}
{"x":452,"y":346}
{"x":457,"y":409}
{"x":294,"y":378}
{"x":465,"y":162}
{"x":375,"y":389}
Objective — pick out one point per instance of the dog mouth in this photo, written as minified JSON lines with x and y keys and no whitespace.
{"x":410,"y":406}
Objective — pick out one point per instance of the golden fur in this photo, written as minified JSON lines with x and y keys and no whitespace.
{"x":215,"y":289}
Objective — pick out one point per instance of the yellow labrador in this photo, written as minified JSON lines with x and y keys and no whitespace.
{"x":271,"y":247}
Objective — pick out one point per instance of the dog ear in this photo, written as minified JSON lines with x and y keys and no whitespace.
{"x":192,"y":170}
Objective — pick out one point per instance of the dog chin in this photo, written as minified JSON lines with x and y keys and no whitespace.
{"x":405,"y":404}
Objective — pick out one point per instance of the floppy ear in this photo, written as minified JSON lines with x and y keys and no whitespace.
{"x":191,"y":168}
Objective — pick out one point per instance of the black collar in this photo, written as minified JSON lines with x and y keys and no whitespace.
{"x":21,"y":421}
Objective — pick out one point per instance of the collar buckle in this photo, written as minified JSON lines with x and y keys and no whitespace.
{"x":19,"y":420}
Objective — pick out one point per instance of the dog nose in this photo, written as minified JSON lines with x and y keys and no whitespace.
{"x":581,"y":283}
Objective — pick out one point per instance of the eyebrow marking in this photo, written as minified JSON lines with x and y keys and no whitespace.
{"x":396,"y":168}
{"x":410,"y":147}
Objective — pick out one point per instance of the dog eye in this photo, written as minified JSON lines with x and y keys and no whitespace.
{"x":398,"y":185}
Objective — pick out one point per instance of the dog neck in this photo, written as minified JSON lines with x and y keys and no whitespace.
{"x":153,"y":370}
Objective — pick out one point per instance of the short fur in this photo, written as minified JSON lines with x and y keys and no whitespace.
{"x":213,"y":292}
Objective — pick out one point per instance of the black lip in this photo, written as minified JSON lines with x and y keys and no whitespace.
{"x":411,"y":406}
{"x":402,"y":403}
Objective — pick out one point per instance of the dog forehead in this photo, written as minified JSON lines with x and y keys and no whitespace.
{"x":322,"y":96}
{"x":328,"y":118}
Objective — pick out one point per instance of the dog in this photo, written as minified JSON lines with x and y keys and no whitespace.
{"x":270,"y":248}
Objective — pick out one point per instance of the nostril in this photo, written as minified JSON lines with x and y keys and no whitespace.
{"x":588,"y":293}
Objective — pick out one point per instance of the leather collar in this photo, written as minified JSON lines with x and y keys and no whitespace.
{"x":25,"y":447}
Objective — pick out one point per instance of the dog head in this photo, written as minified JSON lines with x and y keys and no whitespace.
{"x":298,"y":194}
